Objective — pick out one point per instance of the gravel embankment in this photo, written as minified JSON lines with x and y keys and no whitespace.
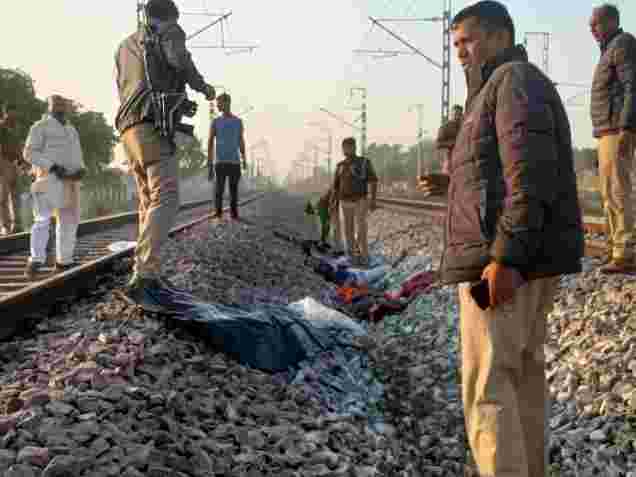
{"x":102,"y":391}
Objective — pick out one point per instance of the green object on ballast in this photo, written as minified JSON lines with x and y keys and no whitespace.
{"x":325,"y":223}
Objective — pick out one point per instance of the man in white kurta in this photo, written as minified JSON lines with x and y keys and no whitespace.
{"x":53,"y":148}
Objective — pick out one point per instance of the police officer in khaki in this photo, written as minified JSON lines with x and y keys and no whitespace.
{"x":9,"y":155}
{"x":613,"y":111}
{"x":447,"y":135}
{"x":150,"y":152}
{"x":355,"y":190}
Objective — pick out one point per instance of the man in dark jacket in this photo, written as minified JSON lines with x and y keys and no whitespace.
{"x":152,"y":155}
{"x":613,"y":112}
{"x":513,"y":222}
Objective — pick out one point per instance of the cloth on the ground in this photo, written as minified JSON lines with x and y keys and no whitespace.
{"x":121,"y":246}
{"x":342,"y":275}
{"x":356,"y":299}
{"x":341,"y":380}
{"x":267,"y":337}
{"x":417,"y":283}
{"x":322,"y":316}
{"x":348,"y":294}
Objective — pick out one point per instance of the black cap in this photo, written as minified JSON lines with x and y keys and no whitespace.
{"x":162,"y":9}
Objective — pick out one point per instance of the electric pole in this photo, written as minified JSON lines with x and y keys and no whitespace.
{"x":362,"y":130}
{"x":419,"y":108}
{"x":141,"y":5}
{"x":444,"y":67}
{"x":258,"y":163}
{"x":363,"y":119}
{"x":329,"y":142}
{"x":546,"y":48}
{"x":545,"y":64}
{"x":446,"y":48}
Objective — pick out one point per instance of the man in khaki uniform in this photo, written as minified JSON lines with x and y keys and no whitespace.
{"x":151,"y":154}
{"x":613,"y":111}
{"x":9,"y":154}
{"x":513,"y":227}
{"x":447,"y":135}
{"x":350,"y":189}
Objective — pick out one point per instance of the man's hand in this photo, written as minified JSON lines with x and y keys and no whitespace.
{"x":58,"y":170}
{"x":76,"y":176}
{"x":373,"y":205}
{"x":503,"y":281}
{"x":210,"y":171}
{"x":210,"y":94}
{"x":333,"y":208}
{"x":433,"y":184}
{"x":626,"y":143}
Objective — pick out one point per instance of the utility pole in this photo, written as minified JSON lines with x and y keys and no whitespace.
{"x":257,"y":161}
{"x":546,"y":48}
{"x":446,"y":47}
{"x":316,"y":150}
{"x":141,"y":5}
{"x":419,"y":108}
{"x":220,"y":19}
{"x":444,"y":66}
{"x":329,"y":140}
{"x":363,"y":119}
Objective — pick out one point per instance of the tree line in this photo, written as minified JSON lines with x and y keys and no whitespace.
{"x":398,"y":163}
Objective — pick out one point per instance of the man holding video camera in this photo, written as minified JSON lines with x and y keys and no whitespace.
{"x":153,"y":67}
{"x":513,"y":227}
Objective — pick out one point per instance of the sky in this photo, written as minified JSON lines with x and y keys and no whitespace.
{"x":304,"y":61}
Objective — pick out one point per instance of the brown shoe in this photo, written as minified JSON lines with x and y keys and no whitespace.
{"x":63,"y":267}
{"x":32,"y":268}
{"x":218,"y":214}
{"x":604,"y":259}
{"x":619,"y":266}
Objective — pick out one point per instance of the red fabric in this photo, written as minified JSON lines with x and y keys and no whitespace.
{"x":348,"y":294}
{"x":415,"y":284}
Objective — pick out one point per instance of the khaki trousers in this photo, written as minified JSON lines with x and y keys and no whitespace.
{"x":616,"y":191}
{"x":504,"y":388}
{"x":8,"y":195}
{"x":355,"y":213}
{"x":156,"y":172}
{"x":336,"y":227}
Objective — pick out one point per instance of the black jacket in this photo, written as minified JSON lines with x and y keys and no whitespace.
{"x":512,"y":196}
{"x":613,"y":104}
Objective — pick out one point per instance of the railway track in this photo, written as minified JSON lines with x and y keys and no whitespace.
{"x":436,"y":210}
{"x":20,"y":296}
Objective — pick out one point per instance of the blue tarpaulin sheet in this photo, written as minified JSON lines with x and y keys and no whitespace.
{"x":269,"y":337}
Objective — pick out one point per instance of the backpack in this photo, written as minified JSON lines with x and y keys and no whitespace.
{"x":167,"y":87}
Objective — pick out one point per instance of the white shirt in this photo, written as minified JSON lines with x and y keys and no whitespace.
{"x":51,"y":142}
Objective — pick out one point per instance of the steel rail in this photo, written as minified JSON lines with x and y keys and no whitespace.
{"x":36,"y":295}
{"x":436,"y":209}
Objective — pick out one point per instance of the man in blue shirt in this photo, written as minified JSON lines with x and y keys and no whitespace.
{"x":227,"y":132}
